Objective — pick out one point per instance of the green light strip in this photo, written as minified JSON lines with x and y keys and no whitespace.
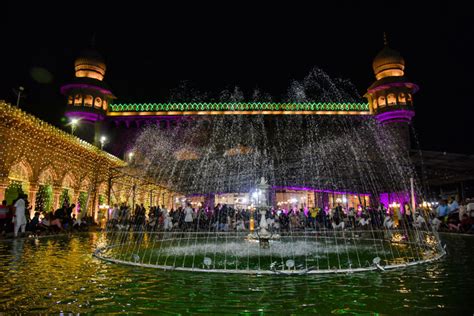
{"x":253,"y":106}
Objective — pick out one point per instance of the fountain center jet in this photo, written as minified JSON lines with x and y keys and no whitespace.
{"x":263,"y":232}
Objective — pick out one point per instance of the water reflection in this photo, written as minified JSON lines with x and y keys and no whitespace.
{"x":51,"y":275}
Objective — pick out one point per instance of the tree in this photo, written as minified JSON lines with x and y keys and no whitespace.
{"x":64,"y":198}
{"x":82,"y":201}
{"x":13,"y":191}
{"x":44,"y":198}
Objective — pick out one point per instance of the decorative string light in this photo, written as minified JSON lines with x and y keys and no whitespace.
{"x":251,"y":106}
{"x":40,"y":147}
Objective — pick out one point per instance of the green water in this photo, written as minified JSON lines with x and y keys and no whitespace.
{"x":234,"y":253}
{"x":53,"y":275}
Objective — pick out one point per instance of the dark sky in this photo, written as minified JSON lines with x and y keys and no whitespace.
{"x":150,"y":48}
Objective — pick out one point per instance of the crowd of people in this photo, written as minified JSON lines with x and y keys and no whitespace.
{"x":227,"y":218}
{"x":450,"y":215}
{"x":15,"y":219}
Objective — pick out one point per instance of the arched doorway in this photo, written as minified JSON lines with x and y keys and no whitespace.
{"x":67,"y":191}
{"x":18,"y":181}
{"x":44,"y":196}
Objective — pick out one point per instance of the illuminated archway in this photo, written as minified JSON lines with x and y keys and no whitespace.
{"x":19,"y":180}
{"x":47,"y":176}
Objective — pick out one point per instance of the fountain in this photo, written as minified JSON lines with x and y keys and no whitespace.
{"x":239,"y":170}
{"x":261,"y":237}
{"x":261,"y":234}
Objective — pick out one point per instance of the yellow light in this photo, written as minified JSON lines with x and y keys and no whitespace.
{"x":397,"y":237}
{"x":72,"y":159}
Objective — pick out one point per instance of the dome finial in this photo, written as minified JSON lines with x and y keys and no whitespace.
{"x":385,"y":40}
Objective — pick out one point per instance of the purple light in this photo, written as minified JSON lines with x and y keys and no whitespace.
{"x":317,"y":190}
{"x":87,"y":116}
{"x":395,"y":116}
{"x":67,"y":87}
{"x":398,"y":197}
{"x":397,"y":121}
{"x":410,"y":85}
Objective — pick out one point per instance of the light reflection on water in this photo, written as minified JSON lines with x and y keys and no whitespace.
{"x":59,"y":274}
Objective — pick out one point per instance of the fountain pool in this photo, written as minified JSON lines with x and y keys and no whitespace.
{"x":58,"y":274}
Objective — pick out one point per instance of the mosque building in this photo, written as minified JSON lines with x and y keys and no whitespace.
{"x":90,"y":100}
{"x":92,"y":103}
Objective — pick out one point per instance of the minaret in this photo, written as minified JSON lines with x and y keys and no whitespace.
{"x":391,"y":96}
{"x":88,"y":97}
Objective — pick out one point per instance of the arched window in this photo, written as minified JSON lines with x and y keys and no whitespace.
{"x":409,"y":99}
{"x":78,"y":100}
{"x":20,"y":172}
{"x":88,"y":100}
{"x":391,"y":99}
{"x":402,"y":98}
{"x":46,"y":177}
{"x":70,"y":100}
{"x":68,"y":181}
{"x":104,"y":105}
{"x":381,"y":101}
{"x":374,"y":104}
{"x":98,"y":102}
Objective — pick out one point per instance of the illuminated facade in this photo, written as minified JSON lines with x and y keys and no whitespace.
{"x":390,"y":100}
{"x":42,"y":158}
{"x":52,"y":166}
{"x":88,"y":98}
{"x":391,"y":96}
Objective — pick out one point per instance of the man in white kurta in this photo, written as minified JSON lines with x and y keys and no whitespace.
{"x":20,"y":219}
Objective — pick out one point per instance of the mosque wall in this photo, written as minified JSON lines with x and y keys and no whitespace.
{"x":38,"y":158}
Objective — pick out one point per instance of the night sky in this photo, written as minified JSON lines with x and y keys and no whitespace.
{"x":149,"y":49}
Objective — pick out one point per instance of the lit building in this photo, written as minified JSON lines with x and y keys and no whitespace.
{"x":390,"y":100}
{"x":88,"y":96}
{"x":391,"y":96}
{"x":53,"y":167}
{"x":90,"y":100}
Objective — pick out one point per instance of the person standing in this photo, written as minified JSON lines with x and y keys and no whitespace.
{"x":19,"y":219}
{"x":168,"y":220}
{"x":453,"y":205}
{"x":68,"y":217}
{"x":470,"y":208}
{"x":442,"y":210}
{"x":351,"y":216}
{"x":313,"y":213}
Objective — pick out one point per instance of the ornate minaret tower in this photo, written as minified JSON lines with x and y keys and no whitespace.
{"x":88,"y":97}
{"x":391,"y":96}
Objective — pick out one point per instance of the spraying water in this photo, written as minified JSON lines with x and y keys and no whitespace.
{"x":206,"y":160}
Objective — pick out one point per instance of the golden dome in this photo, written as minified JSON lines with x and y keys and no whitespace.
{"x":388,"y":63}
{"x":90,"y":64}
